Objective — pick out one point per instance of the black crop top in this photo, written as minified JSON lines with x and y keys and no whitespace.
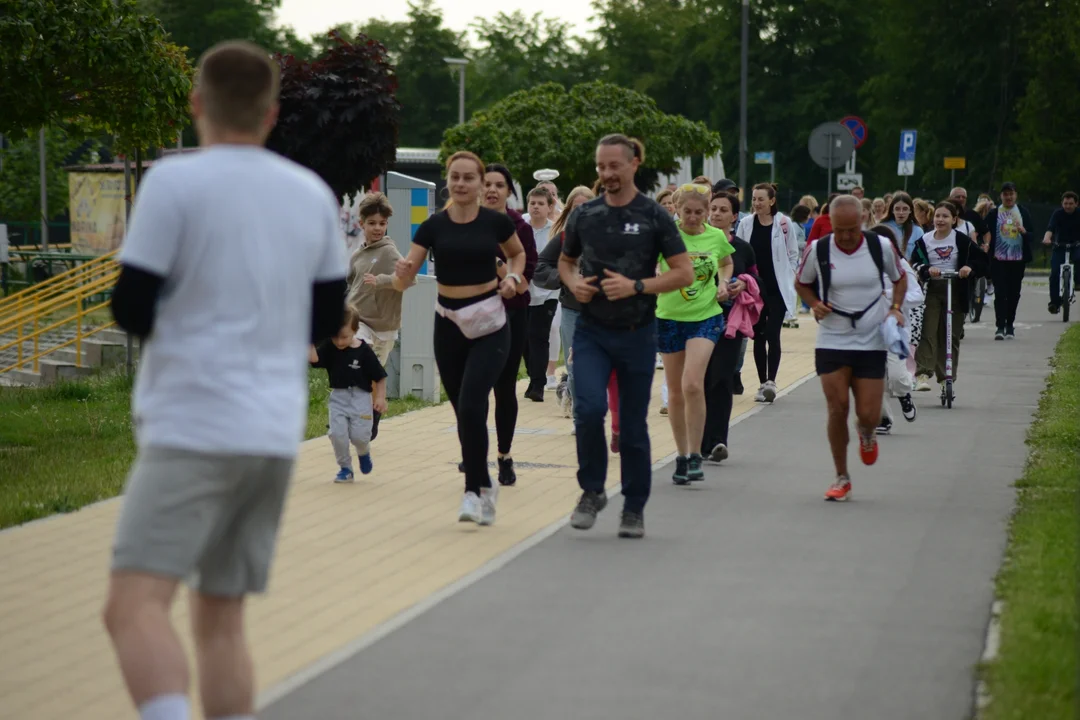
{"x":465,"y":252}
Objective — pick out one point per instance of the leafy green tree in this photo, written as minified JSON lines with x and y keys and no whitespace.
{"x":98,"y":63}
{"x":548,"y":126}
{"x":198,"y":25}
{"x":339,"y":115}
{"x":20,"y":197}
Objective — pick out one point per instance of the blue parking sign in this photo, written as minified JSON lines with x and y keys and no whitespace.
{"x":907,"y":145}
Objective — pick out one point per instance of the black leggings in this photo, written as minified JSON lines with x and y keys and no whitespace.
{"x":767,"y":338}
{"x":506,"y":403}
{"x":540,"y":318}
{"x":1008,"y":277}
{"x":719,"y":386}
{"x":469,"y":369}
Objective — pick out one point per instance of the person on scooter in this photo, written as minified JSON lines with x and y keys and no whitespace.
{"x":1063,"y":233}
{"x":945,"y":249}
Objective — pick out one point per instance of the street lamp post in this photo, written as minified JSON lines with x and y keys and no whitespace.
{"x":460,"y":64}
{"x":742,"y":92}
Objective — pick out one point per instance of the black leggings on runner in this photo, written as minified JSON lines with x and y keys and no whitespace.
{"x":719,"y":388}
{"x":506,"y":403}
{"x":767,"y":338}
{"x":468,"y":369}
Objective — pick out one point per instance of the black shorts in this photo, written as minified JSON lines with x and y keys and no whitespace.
{"x":867,"y":364}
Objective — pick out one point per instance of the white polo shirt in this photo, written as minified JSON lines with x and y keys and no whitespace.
{"x":854,"y":284}
{"x":240,"y":235}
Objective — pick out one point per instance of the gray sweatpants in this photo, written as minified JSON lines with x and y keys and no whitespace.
{"x":350,"y":421}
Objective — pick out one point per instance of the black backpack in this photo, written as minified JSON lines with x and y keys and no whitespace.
{"x":824,"y":245}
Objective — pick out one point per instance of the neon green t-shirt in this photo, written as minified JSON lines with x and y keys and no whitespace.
{"x":698,"y":301}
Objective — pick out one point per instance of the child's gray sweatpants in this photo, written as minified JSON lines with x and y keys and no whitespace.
{"x":350,"y":421}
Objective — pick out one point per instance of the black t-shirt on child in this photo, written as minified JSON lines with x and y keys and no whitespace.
{"x":352,"y":367}
{"x":464,"y":253}
{"x":628,"y":240}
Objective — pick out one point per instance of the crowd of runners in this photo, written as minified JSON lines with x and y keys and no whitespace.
{"x":234,"y":272}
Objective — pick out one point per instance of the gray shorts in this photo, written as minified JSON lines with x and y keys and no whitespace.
{"x":212,"y":519}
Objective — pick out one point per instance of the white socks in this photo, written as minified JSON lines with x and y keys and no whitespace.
{"x":166,"y":707}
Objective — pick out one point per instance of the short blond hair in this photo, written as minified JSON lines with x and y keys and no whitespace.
{"x":238,"y":84}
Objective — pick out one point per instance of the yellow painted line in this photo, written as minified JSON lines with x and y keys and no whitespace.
{"x":350,"y":557}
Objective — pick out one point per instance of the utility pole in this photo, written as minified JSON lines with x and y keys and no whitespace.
{"x":743,"y":92}
{"x":44,"y":192}
{"x":459,"y":64}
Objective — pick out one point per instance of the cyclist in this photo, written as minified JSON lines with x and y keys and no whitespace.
{"x":1063,"y":233}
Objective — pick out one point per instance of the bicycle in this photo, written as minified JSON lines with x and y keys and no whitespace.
{"x":1068,"y":291}
{"x":976,"y":299}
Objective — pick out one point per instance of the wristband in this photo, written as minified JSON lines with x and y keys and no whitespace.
{"x":895,"y":306}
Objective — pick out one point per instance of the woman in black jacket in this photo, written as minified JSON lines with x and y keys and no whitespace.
{"x":944,"y":249}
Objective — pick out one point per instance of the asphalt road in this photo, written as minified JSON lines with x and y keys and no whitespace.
{"x":750,"y":597}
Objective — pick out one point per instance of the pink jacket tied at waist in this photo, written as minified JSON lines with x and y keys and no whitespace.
{"x":745,"y":311}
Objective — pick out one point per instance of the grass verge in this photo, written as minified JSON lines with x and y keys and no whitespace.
{"x":71,"y":444}
{"x":1035,"y":674}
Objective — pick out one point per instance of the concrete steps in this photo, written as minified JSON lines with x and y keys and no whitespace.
{"x":106,"y":348}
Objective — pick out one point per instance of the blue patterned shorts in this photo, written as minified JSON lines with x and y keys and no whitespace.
{"x":673,"y":334}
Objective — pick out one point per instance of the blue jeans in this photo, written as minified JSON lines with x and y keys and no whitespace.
{"x":1056,"y":261}
{"x":742,"y":355}
{"x":632,"y":354}
{"x":567,"y":325}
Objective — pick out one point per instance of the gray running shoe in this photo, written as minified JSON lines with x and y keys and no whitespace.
{"x":588,"y":507}
{"x":632,"y":525}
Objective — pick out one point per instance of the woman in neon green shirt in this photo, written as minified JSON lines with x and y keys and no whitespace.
{"x":689,"y":322}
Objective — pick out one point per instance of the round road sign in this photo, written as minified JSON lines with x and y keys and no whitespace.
{"x":831,"y":145}
{"x":857,"y":127}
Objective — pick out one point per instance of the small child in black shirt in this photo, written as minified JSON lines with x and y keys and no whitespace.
{"x":357,"y":389}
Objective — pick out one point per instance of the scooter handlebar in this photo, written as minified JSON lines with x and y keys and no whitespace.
{"x":948,"y":274}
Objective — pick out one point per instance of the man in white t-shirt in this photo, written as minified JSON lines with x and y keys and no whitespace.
{"x":850,"y":353}
{"x":234,"y":263}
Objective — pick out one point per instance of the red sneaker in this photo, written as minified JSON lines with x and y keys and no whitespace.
{"x":868,"y":448}
{"x":840,"y":490}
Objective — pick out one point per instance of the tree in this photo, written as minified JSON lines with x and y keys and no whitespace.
{"x":20,"y":197}
{"x":339,"y":114}
{"x":198,"y":25}
{"x":97,"y":63}
{"x":548,"y":126}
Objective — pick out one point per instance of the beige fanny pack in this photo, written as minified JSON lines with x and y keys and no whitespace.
{"x":476,"y":320}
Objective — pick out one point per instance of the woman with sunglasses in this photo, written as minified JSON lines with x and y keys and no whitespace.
{"x":772,"y":237}
{"x":689,"y":323}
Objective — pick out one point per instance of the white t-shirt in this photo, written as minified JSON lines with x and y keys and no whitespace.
{"x":943,"y":254}
{"x":853,"y":286}
{"x":240,"y":235}
{"x":538,"y":295}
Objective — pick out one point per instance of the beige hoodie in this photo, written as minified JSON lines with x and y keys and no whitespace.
{"x":379,"y":306}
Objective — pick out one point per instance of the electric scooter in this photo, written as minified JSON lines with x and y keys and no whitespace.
{"x":946,"y":389}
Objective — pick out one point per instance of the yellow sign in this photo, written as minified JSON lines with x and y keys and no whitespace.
{"x":955,"y":163}
{"x":98,"y":212}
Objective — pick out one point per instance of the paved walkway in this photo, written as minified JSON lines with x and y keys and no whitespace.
{"x":751,"y":597}
{"x":350,"y":558}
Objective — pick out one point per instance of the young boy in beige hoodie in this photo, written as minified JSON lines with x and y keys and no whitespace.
{"x":374,"y":290}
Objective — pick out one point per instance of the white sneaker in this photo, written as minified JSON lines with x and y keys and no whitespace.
{"x":488,"y":496}
{"x":760,"y":397}
{"x":659,"y":361}
{"x":922,"y":384}
{"x":768,"y":391}
{"x":552,"y":383}
{"x":470,"y":508}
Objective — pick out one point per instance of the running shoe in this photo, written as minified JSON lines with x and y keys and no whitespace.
{"x":615,"y":443}
{"x":1054,"y":308}
{"x":659,"y":361}
{"x":737,"y":387}
{"x":552,"y":383}
{"x":760,"y":397}
{"x":345,"y":475}
{"x":682,"y":467}
{"x":922,"y":384}
{"x":694,"y":471}
{"x":536,"y":394}
{"x":839,"y":491}
{"x":366,"y":466}
{"x":768,"y":390}
{"x":1010,"y":334}
{"x":868,"y":447}
{"x":908,"y":406}
{"x":507,"y":476}
{"x":1000,"y":334}
{"x":588,"y":507}
{"x":719,"y":453}
{"x":884,"y":427}
{"x":663,"y":410}
{"x":488,"y":496}
{"x":632,"y":525}
{"x":470,"y":508}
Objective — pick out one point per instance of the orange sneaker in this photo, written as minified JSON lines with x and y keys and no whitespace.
{"x":840,"y":490}
{"x":868,"y":447}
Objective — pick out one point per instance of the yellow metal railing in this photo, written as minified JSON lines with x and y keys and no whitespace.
{"x":58,"y":285}
{"x":31,"y":324}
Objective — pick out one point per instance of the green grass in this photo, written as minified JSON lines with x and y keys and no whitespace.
{"x":1035,"y":675}
{"x":69,"y":445}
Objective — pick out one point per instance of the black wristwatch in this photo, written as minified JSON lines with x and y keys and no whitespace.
{"x":639,"y":287}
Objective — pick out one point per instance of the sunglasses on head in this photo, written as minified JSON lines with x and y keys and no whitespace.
{"x":701,"y":189}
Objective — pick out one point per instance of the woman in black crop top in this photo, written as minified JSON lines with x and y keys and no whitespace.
{"x":472,"y":339}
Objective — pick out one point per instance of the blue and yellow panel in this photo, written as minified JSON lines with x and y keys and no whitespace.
{"x":419,"y":210}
